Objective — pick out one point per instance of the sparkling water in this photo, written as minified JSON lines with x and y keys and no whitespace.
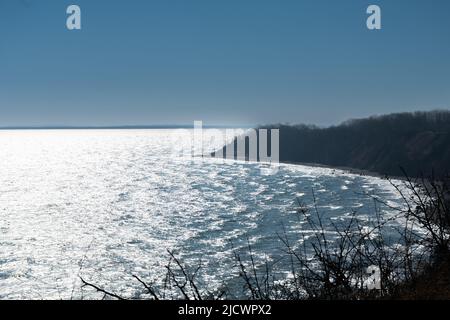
{"x":108,"y":204}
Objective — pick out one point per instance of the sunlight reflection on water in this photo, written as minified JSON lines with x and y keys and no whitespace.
{"x":106,"y":204}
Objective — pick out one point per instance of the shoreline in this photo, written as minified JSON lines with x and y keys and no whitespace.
{"x":360,"y":172}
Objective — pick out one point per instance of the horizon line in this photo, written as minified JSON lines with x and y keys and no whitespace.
{"x":99,"y":127}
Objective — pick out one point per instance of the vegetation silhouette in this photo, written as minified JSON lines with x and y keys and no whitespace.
{"x":419,"y":142}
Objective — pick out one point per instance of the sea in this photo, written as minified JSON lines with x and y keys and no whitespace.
{"x":107,"y":205}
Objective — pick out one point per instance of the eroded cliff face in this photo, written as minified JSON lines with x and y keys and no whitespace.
{"x":418,"y":142}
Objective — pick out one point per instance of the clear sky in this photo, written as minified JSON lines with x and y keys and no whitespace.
{"x":220,"y":61}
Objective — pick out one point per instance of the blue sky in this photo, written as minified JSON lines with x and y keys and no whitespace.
{"x":220,"y":61}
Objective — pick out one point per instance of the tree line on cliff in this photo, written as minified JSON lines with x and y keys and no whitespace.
{"x":418,"y":143}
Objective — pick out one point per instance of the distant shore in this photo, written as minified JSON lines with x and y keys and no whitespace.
{"x":120,"y":127}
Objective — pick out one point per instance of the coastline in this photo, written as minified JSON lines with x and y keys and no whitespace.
{"x":360,"y":172}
